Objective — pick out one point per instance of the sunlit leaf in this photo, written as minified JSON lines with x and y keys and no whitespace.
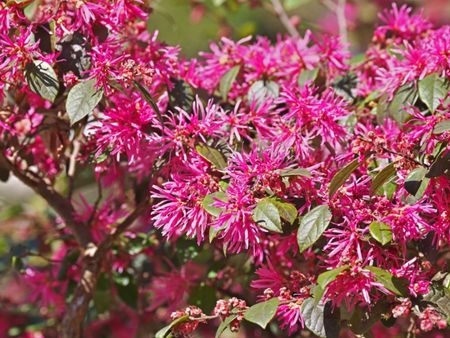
{"x":82,"y":100}
{"x":382,"y":232}
{"x":227,"y":80}
{"x":312,"y":225}
{"x":341,"y":176}
{"x":262,"y":313}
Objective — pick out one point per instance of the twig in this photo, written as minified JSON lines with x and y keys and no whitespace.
{"x":342,"y":22}
{"x":60,"y":204}
{"x":73,"y":165}
{"x":93,"y":261}
{"x":284,"y":18}
{"x":97,"y":201}
{"x":339,"y":9}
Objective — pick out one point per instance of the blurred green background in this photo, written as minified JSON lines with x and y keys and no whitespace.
{"x":193,"y":24}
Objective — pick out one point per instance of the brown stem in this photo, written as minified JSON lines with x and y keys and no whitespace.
{"x":93,"y":256}
{"x":55,"y":200}
{"x":93,"y":261}
{"x":284,"y":18}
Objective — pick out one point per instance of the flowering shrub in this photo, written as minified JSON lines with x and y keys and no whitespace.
{"x":264,"y":182}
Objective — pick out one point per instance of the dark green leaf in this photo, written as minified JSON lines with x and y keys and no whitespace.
{"x":405,"y":95}
{"x":17,"y":263}
{"x":331,"y":320}
{"x":262,"y":313}
{"x":287,"y":211}
{"x":383,"y":176}
{"x":210,"y":199}
{"x":432,"y":89}
{"x":313,"y":316}
{"x":307,"y":75}
{"x":312,"y":225}
{"x":224,"y":325}
{"x":42,"y":79}
{"x":362,"y":320}
{"x":416,"y":183}
{"x":393,"y":284}
{"x":382,"y":232}
{"x":441,"y":166}
{"x":165,"y":331}
{"x":69,"y":259}
{"x":267,"y":216}
{"x":149,"y":99}
{"x":295,"y":172}
{"x":212,"y":155}
{"x":341,"y":176}
{"x":82,"y":100}
{"x":127,"y":289}
{"x":227,"y":80}
{"x":441,"y":127}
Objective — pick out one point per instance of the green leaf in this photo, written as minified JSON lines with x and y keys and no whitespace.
{"x":267,"y":216}
{"x":326,"y":278}
{"x":440,"y":166}
{"x":127,"y":289}
{"x":213,"y":232}
{"x":165,"y":331}
{"x":312,"y":225}
{"x":82,"y":100}
{"x":30,"y":10}
{"x":432,"y":89}
{"x":295,"y":172}
{"x":441,"y":127}
{"x":416,"y":183}
{"x":69,"y":259}
{"x":313,"y":316}
{"x":227,"y":80}
{"x":382,"y":232}
{"x":307,"y":75}
{"x":287,"y":211}
{"x":212,"y":155}
{"x":17,"y":263}
{"x":210,"y":199}
{"x":261,"y":90}
{"x":439,"y":296}
{"x":393,"y":284}
{"x":149,"y":99}
{"x":406,"y":94}
{"x":383,"y":176}
{"x":262,"y":313}
{"x":362,"y":320}
{"x":42,"y":79}
{"x":224,"y":325}
{"x":341,"y":176}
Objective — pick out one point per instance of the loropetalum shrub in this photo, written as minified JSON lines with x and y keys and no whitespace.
{"x":266,"y":181}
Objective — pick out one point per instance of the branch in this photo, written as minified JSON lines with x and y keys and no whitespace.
{"x":342,"y":22}
{"x":284,"y":18}
{"x":93,"y":260}
{"x":55,"y":200}
{"x":339,"y":9}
